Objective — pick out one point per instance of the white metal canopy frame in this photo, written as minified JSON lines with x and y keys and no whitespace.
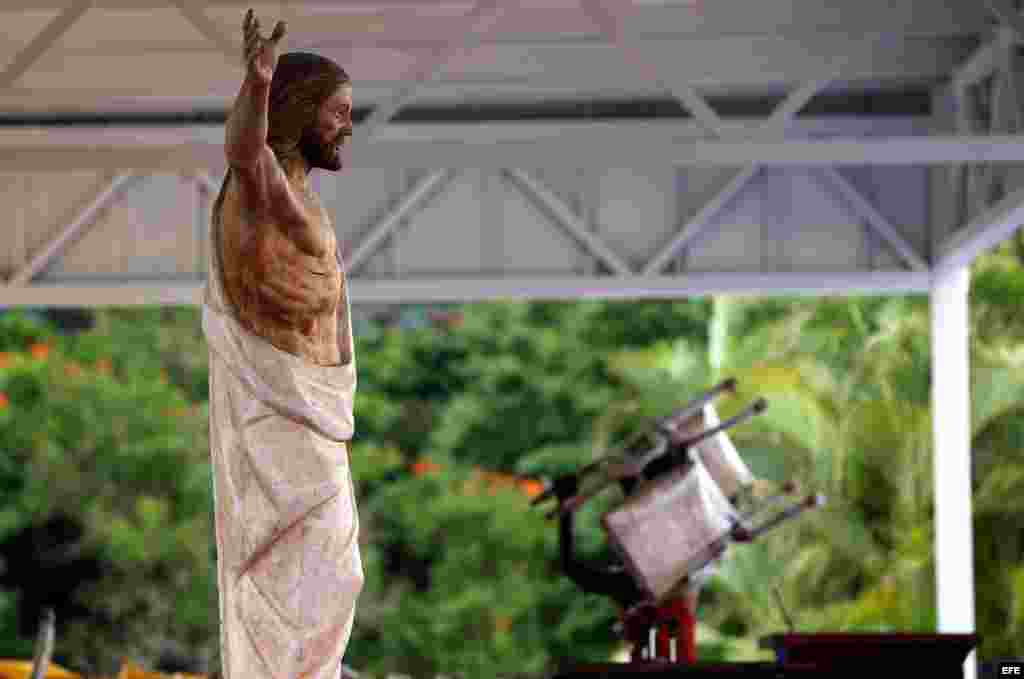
{"x":103,"y":57}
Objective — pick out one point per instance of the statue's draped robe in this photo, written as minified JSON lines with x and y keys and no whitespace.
{"x":289,"y":569}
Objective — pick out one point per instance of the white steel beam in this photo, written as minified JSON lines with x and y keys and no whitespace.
{"x":409,"y":202}
{"x":553,"y":205}
{"x":594,"y":132}
{"x":485,"y":288}
{"x":875,"y":220}
{"x":516,"y":145}
{"x":623,"y":152}
{"x":162,"y":293}
{"x":951,"y":456}
{"x":82,"y":221}
{"x":36,"y":47}
{"x":982,"y":233}
{"x":583,"y":133}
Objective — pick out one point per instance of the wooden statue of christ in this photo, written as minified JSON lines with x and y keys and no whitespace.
{"x":282,"y":374}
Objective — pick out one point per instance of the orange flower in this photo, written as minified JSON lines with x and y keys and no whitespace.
{"x":502,"y":623}
{"x":72,"y":369}
{"x":5,"y":359}
{"x":495,"y":480}
{"x":449,"y":320}
{"x":103,"y":366}
{"x":3,"y":400}
{"x":531,"y":487}
{"x":424,"y":466}
{"x":39,"y":350}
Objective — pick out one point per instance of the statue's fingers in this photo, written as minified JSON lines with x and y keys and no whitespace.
{"x":279,"y":32}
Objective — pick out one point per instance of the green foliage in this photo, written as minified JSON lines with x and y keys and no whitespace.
{"x":460,"y":579}
{"x":125,"y":455}
{"x":18,"y":331}
{"x":11,"y":644}
{"x":462,"y":574}
{"x":164,"y":343}
{"x":526,"y":386}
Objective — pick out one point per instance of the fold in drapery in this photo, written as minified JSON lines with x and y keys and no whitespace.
{"x":289,"y":569}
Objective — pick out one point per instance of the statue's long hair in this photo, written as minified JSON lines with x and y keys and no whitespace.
{"x":302,"y":82}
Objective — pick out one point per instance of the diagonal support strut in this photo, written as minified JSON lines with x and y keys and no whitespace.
{"x":36,"y":47}
{"x":412,"y":200}
{"x":74,"y":230}
{"x":551,"y":203}
{"x":878,"y":223}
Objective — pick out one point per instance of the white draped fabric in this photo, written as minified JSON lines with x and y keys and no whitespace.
{"x":289,"y":568}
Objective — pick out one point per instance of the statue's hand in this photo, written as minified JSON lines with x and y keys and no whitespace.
{"x":259,"y":53}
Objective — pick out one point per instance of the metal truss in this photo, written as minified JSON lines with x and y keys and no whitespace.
{"x":414,"y":199}
{"x":603,"y":12}
{"x":986,"y":93}
{"x":497,"y":146}
{"x":986,"y":87}
{"x":434,"y":289}
{"x":463,"y":36}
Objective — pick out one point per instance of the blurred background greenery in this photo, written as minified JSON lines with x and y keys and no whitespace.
{"x":105,"y":486}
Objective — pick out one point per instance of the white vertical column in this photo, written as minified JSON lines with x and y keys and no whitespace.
{"x":954,"y":535}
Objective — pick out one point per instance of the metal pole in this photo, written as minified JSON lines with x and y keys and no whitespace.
{"x":954,"y":535}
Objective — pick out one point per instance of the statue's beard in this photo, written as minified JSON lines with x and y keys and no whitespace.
{"x":319,"y":153}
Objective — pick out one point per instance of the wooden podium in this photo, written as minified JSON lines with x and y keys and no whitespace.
{"x":931,"y":655}
{"x":870,"y":656}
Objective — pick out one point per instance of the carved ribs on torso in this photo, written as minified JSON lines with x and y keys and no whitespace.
{"x":278,"y":292}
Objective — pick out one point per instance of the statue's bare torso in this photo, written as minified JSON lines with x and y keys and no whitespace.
{"x":280,"y":292}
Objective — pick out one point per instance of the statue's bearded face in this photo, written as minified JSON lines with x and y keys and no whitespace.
{"x":321,"y":143}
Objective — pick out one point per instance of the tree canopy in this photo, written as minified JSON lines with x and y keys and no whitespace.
{"x":106,"y":498}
